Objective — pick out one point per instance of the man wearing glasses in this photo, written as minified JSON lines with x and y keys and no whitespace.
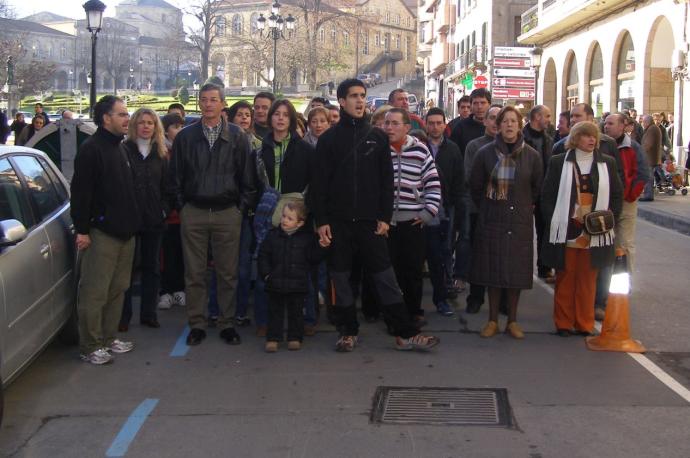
{"x":105,"y":215}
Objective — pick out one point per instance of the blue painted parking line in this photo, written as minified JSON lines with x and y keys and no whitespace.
{"x":181,"y":348}
{"x":131,"y":427}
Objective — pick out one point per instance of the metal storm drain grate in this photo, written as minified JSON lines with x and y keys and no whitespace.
{"x":442,"y":406}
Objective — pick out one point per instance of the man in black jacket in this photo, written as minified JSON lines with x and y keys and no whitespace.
{"x":536,"y":136}
{"x":353,"y":206}
{"x":212,"y":180}
{"x":440,"y":234}
{"x":105,"y":215}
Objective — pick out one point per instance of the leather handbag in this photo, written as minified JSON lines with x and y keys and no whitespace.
{"x":599,"y":222}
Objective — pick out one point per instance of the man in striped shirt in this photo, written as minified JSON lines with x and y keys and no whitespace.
{"x":417,"y":199}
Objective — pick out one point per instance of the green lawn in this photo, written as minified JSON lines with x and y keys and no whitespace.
{"x":157,"y":103}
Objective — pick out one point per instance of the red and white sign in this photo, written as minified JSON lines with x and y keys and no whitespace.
{"x":514,"y":82}
{"x":512,"y":63}
{"x":512,"y":93}
{"x":481,"y":82}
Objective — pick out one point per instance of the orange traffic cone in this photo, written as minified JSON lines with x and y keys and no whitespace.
{"x":615,"y":331}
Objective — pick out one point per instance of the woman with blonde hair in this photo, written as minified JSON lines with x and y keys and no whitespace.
{"x":148,"y":159}
{"x":580,"y":181}
{"x":379,"y":116}
{"x":317,"y":123}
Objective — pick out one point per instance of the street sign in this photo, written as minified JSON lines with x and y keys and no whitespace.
{"x":512,"y":93}
{"x":481,"y":82}
{"x":522,"y":83}
{"x":512,"y":51}
{"x":467,"y":81}
{"x":512,"y":63}
{"x":523,"y":73}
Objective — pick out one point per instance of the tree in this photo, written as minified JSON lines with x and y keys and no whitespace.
{"x":30,"y":75}
{"x":183,"y":95}
{"x":6,"y":11}
{"x":115,"y":51}
{"x":207,"y":14}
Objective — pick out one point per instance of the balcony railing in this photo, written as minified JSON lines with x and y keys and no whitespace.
{"x":530,"y":19}
{"x":475,"y":57}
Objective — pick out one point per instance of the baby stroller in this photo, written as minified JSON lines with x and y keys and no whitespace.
{"x":669,"y":179}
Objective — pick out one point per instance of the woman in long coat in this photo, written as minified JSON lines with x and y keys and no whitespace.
{"x":505,"y":184}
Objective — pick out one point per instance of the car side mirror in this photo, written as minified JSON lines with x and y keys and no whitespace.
{"x":11,"y":232}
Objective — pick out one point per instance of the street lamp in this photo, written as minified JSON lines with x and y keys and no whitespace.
{"x":141,"y":72}
{"x":131,"y":77}
{"x":94,"y":21}
{"x":189,"y":77}
{"x":536,"y":63}
{"x":196,"y":93}
{"x":680,"y":73}
{"x":276,"y":24}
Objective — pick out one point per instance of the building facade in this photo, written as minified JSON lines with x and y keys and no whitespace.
{"x":462,"y":35}
{"x":376,"y":36}
{"x":628,"y":54}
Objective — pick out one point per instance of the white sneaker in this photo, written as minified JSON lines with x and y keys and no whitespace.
{"x":165,"y":301}
{"x":120,"y":346}
{"x":98,"y":357}
{"x":179,"y":298}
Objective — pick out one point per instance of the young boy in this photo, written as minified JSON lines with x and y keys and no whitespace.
{"x":285,"y":260}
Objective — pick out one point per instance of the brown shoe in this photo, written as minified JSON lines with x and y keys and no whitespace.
{"x":261,"y":331}
{"x":271,"y":347}
{"x":309,"y":330}
{"x":294,"y":345}
{"x":123,"y":328}
{"x":489,"y":330}
{"x":513,"y":329}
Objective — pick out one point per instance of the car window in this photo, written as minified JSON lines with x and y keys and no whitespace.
{"x":12,"y":202}
{"x":61,"y":190}
{"x":41,"y":190}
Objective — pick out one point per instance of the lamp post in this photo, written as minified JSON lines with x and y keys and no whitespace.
{"x":276,"y":24}
{"x":679,"y":73}
{"x":131,"y":77}
{"x":536,"y":63}
{"x":196,"y":93}
{"x":141,"y":73}
{"x":94,"y":21}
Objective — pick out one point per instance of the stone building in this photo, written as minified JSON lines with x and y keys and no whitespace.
{"x":372,"y":36}
{"x":613,"y":55}
{"x":459,"y":37}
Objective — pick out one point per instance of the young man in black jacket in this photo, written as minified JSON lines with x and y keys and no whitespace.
{"x":353,"y":206}
{"x":105,"y":214}
{"x":440,"y":234}
{"x":212,"y":179}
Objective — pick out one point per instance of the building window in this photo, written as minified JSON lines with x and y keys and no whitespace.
{"x":388,"y":17}
{"x":397,"y":19}
{"x":334,"y":36}
{"x":626,"y":74}
{"x":322,"y":35}
{"x":397,"y":42}
{"x":346,"y":39}
{"x":365,"y":44}
{"x":63,"y":52}
{"x":253,"y":23}
{"x":572,"y":84}
{"x":377,"y":40}
{"x":220,"y":26}
{"x":237,"y":25}
{"x":408,"y":48}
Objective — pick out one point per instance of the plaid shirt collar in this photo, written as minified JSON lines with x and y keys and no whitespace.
{"x":212,"y":133}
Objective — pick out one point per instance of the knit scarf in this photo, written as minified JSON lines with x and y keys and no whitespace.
{"x":503,"y":174}
{"x":562,"y":212}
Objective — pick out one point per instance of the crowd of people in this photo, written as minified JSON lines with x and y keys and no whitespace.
{"x":340,"y":205}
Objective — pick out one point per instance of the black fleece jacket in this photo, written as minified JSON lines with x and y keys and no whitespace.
{"x":150,"y":182}
{"x":465,"y":131}
{"x":353,"y":176}
{"x":103,"y":188}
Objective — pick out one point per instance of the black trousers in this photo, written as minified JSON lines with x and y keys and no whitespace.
{"x":357,"y":238}
{"x":477,"y":292}
{"x":147,"y":255}
{"x":172,"y":273}
{"x":540,"y":226}
{"x":278,"y":305}
{"x":406,"y":244}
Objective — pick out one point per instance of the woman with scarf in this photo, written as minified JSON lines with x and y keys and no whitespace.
{"x":578,"y":182}
{"x":505,"y":183}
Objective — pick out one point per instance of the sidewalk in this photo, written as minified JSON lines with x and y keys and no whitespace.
{"x":671,"y":212}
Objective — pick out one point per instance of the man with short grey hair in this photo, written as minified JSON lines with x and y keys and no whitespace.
{"x":212,"y":180}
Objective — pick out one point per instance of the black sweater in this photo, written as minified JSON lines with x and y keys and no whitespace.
{"x":150,"y":180}
{"x":353,"y":176}
{"x":103,"y":188}
{"x":296,"y":168}
{"x":465,"y":131}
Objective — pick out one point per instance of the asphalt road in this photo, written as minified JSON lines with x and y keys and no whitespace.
{"x":218,"y":400}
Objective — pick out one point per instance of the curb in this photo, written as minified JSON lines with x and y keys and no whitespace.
{"x":665,"y":219}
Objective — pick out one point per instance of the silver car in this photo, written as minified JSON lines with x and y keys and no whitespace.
{"x":37,"y":259}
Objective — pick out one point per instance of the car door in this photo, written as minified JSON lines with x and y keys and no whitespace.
{"x":60,"y":230}
{"x":26,"y":277}
{"x":50,"y":204}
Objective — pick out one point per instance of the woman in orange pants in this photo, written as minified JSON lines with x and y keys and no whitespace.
{"x":578,"y":182}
